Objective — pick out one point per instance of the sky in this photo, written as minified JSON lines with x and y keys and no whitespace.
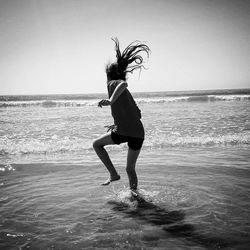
{"x":62,"y":46}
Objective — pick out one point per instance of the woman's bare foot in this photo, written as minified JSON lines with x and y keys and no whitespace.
{"x":111,"y":179}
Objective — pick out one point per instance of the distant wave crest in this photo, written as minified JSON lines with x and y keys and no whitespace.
{"x":199,"y":98}
{"x":93,"y":102}
{"x":49,"y":103}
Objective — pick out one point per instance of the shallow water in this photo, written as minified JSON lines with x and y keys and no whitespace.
{"x":193,"y":203}
{"x":193,"y":176}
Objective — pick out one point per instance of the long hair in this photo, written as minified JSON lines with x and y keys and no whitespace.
{"x":127,"y":61}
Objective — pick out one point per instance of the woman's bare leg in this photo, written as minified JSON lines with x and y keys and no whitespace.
{"x":98,"y":146}
{"x":131,"y":162}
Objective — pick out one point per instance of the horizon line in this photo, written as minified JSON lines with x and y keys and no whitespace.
{"x":136,"y":92}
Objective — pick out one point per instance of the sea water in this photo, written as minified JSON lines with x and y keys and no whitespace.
{"x":193,"y":173}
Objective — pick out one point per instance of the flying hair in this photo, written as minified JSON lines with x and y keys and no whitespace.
{"x":128,"y":60}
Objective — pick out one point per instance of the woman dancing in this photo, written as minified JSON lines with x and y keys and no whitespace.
{"x":127,"y":116}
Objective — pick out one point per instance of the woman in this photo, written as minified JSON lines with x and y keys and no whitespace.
{"x":127,"y":116}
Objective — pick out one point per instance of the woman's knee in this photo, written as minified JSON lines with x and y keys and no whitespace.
{"x":103,"y":141}
{"x":96,"y":144}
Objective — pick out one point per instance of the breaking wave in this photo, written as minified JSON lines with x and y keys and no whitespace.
{"x":49,"y":103}
{"x":203,"y":140}
{"x":36,"y":146}
{"x":93,"y":102}
{"x":199,"y":98}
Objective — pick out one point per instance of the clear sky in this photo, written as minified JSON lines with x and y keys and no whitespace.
{"x":62,"y":46}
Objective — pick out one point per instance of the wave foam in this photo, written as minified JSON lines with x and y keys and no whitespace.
{"x":199,"y":98}
{"x":7,"y":168}
{"x":62,"y":146}
{"x":93,"y":102}
{"x":49,"y":103}
{"x":36,"y":146}
{"x":203,"y":140}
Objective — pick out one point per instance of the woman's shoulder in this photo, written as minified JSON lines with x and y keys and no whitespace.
{"x":115,"y":82}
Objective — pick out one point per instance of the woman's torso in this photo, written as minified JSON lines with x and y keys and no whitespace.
{"x":126,"y":114}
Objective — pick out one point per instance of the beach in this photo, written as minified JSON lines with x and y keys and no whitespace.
{"x":193,"y":173}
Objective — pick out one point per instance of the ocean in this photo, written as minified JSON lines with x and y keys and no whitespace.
{"x":193,"y":173}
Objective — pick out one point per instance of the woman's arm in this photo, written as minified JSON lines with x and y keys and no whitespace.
{"x":117,"y":92}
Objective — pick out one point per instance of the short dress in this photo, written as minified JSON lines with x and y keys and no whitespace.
{"x":127,"y":118}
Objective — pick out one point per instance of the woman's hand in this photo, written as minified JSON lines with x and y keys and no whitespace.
{"x":112,"y":128}
{"x":104,"y":102}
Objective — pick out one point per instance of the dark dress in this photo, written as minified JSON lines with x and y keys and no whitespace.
{"x":126,"y":114}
